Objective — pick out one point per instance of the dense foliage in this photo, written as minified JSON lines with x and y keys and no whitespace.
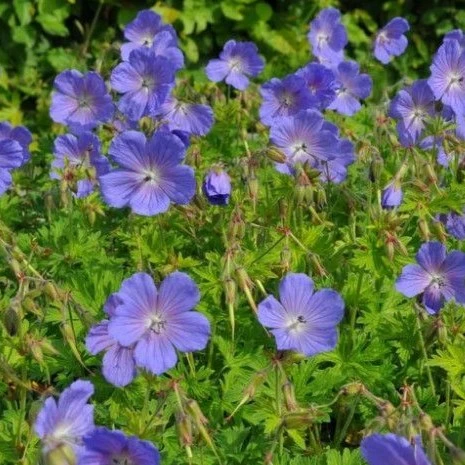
{"x":399,"y":362}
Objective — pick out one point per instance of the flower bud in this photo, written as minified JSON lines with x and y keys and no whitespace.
{"x":376,"y":168}
{"x":252,"y":183}
{"x":289,"y":396}
{"x":273,"y":153}
{"x":194,"y":411}
{"x":245,"y":283}
{"x":184,"y":425}
{"x":230,"y":291}
{"x":296,"y":420}
{"x":11,"y":320}
{"x":286,"y":257}
{"x":392,"y":195}
{"x":424,"y":229}
{"x":217,"y":186}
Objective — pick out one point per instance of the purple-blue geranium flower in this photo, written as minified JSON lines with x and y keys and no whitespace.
{"x":237,"y":61}
{"x":328,"y":37}
{"x":391,"y":449}
{"x":80,"y":101}
{"x":304,"y":138}
{"x":79,"y":156}
{"x":302,"y":320}
{"x":217,"y":186}
{"x":283,"y":97}
{"x":412,"y":107}
{"x":20,"y":134}
{"x":390,"y":41}
{"x":14,"y":152}
{"x":145,"y":82}
{"x":119,"y":367}
{"x":335,"y":170}
{"x":392,"y":195}
{"x":458,"y":35}
{"x":167,"y":46}
{"x":447,"y":79}
{"x":149,"y":175}
{"x":66,"y":422}
{"x":158,"y":321}
{"x":145,"y":31}
{"x":438,"y":276}
{"x":107,"y":447}
{"x":455,"y":224}
{"x":351,"y":87}
{"x":192,"y":118}
{"x":436,"y":145}
{"x":321,"y":84}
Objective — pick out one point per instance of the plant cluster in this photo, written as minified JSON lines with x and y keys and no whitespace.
{"x":211,"y":270}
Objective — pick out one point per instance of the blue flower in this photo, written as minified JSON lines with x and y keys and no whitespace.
{"x":66,"y":422}
{"x":237,"y":61}
{"x":149,"y":175}
{"x":391,"y":449}
{"x":328,"y":37}
{"x":351,"y":86}
{"x":145,"y":82}
{"x":321,"y":84}
{"x":158,"y":321}
{"x":302,"y":320}
{"x":439,"y":276}
{"x":106,"y":447}
{"x":80,"y":101}
{"x":390,"y":41}
{"x":217,"y":186}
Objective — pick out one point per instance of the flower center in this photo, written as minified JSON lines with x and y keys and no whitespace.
{"x":148,"y":41}
{"x":322,"y":39}
{"x":455,"y":79}
{"x":121,"y":460}
{"x":85,"y":101}
{"x":235,"y":64}
{"x":287,"y":100}
{"x":438,"y":280}
{"x":297,"y":324}
{"x":157,"y":323}
{"x":152,"y":176}
{"x":148,"y":82}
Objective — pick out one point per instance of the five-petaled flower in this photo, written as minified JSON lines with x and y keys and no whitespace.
{"x":80,"y":101}
{"x":390,"y":41}
{"x":158,"y":321}
{"x":439,"y":276}
{"x":302,"y":320}
{"x":66,"y":422}
{"x":237,"y":61}
{"x":149,"y":175}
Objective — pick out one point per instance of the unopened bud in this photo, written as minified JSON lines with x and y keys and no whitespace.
{"x":11,"y":320}
{"x":289,"y":396}
{"x":390,"y":249}
{"x":29,"y":305}
{"x":194,"y":411}
{"x":296,"y":420}
{"x":184,"y":429}
{"x":273,"y":153}
{"x":424,"y":229}
{"x":253,"y":187}
{"x":230,"y":291}
{"x":286,"y":258}
{"x":245,"y":283}
{"x":16,"y":267}
{"x":51,"y":290}
{"x":432,"y":176}
{"x":376,"y":168}
{"x":439,"y":231}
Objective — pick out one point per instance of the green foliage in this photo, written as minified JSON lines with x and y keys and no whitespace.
{"x":394,"y":368}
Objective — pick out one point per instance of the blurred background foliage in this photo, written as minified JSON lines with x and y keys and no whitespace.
{"x":40,"y":38}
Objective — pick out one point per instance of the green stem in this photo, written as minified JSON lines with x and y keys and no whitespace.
{"x":425,"y":354}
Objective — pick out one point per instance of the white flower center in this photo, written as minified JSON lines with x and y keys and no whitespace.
{"x":296,"y":324}
{"x":437,"y":280}
{"x":235,"y":64}
{"x":61,"y":435}
{"x":157,"y":323}
{"x":151,"y":176}
{"x":322,"y":38}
